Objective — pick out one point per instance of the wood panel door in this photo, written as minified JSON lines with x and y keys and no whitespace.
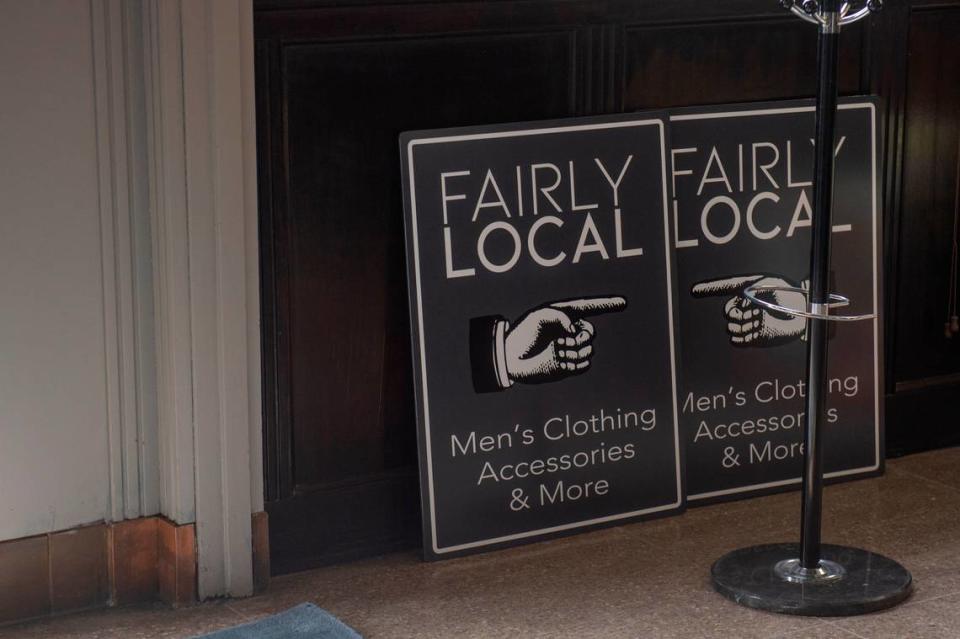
{"x":338,"y":80}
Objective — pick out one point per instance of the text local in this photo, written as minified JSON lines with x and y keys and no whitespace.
{"x":540,"y":190}
{"x":764,"y":169}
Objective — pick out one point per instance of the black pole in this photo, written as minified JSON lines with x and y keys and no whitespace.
{"x":826,"y":579}
{"x":828,"y":58}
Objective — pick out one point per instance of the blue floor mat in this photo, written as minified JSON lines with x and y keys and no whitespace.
{"x":305,"y":621}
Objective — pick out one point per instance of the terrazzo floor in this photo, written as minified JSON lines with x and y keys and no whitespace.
{"x":636,"y":581}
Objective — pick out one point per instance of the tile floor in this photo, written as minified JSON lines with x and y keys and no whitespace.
{"x":642,"y":580}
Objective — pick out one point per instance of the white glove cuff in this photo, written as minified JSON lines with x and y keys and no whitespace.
{"x":805,"y":285}
{"x":500,"y":353}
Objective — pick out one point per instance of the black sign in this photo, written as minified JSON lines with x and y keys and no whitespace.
{"x":542,"y":312}
{"x":742,"y":183}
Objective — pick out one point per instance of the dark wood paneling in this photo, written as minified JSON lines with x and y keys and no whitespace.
{"x":931,"y":138}
{"x":739,"y":61}
{"x":345,"y":104}
{"x":338,"y":80}
{"x":341,"y":444}
{"x":311,"y":19}
{"x":923,"y":364}
{"x":345,"y":521}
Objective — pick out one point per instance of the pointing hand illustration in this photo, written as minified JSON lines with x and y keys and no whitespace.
{"x":749,"y":324}
{"x":546,"y":344}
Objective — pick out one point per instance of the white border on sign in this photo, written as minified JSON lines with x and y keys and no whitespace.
{"x":876,"y":319}
{"x":423,"y":358}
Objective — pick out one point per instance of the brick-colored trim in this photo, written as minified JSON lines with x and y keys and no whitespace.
{"x":261,"y":551}
{"x":79,"y":568}
{"x":131,"y":561}
{"x":177,"y":563}
{"x":25,"y":578}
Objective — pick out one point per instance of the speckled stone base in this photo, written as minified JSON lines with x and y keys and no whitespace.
{"x":869,"y":582}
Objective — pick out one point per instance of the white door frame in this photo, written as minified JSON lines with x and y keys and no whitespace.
{"x":199,"y":77}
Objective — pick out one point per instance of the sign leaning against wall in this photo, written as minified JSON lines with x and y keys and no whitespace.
{"x":542,"y":302}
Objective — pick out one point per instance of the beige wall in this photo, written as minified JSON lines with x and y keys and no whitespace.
{"x":58,"y":319}
{"x":129,"y":309}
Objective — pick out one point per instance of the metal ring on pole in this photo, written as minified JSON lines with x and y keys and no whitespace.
{"x":812,"y":310}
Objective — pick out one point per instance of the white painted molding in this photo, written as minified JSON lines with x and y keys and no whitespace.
{"x":200,"y":113}
{"x":168,"y":212}
{"x":252,"y":237}
{"x":127,"y":290}
{"x":143,"y":285}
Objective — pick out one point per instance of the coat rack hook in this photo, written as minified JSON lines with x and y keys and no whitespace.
{"x":851,"y":11}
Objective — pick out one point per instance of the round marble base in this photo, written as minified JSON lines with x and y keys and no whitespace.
{"x":849,"y":581}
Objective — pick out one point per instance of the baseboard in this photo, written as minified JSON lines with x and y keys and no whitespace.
{"x":176,"y":563}
{"x":922,"y":416}
{"x":261,"y":551}
{"x":109,"y":564}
